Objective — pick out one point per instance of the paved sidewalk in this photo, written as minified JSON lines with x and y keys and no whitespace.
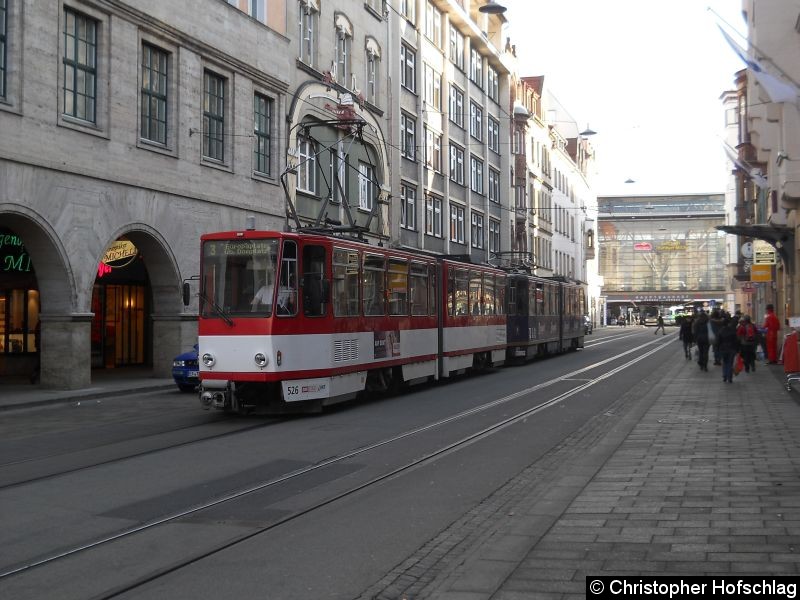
{"x":117,"y":382}
{"x":685,"y":475}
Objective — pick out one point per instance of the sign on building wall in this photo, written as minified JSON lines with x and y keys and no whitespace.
{"x":761,"y":273}
{"x":763,"y":253}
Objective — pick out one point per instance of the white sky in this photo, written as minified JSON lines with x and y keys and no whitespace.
{"x":646,"y":75}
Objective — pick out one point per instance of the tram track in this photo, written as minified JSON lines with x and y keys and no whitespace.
{"x":126,"y":456}
{"x":163,"y":448}
{"x":577,"y":376}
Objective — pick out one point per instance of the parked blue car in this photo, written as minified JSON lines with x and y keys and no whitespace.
{"x":185,"y":371}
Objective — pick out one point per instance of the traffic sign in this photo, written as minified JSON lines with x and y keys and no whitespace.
{"x":763,"y":253}
{"x":761,"y":272}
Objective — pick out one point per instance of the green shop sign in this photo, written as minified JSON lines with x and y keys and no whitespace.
{"x":13,"y":258}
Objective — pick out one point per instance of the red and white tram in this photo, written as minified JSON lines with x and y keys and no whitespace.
{"x":296,"y":321}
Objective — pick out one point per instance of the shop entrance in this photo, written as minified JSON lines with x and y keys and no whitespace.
{"x":121,"y":303}
{"x":19,"y":308}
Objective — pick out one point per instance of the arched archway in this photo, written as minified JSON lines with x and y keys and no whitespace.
{"x":138,"y":310}
{"x":51,"y":333}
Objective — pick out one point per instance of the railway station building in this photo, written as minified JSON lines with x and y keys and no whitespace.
{"x":661,"y":251}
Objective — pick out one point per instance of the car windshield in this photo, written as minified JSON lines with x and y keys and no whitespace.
{"x":238,"y":277}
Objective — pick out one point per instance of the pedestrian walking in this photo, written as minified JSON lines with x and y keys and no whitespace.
{"x":700,"y":333}
{"x":728,"y":347}
{"x":748,"y":336}
{"x":685,"y":335}
{"x":773,"y":326}
{"x":660,"y":325}
{"x":716,"y":320}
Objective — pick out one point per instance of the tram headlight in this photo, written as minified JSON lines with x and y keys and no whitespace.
{"x":209,"y":360}
{"x":261,"y":360}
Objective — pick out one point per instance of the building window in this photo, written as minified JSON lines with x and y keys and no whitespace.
{"x":433,"y":150}
{"x":154,"y":94}
{"x":433,"y":88}
{"x":494,"y":186}
{"x":306,"y":166}
{"x":494,"y":135}
{"x":307,"y":32}
{"x":519,"y":142}
{"x":373,"y":68}
{"x":476,"y":175}
{"x":343,"y":43}
{"x":457,"y":106}
{"x":257,"y":10}
{"x":475,"y":121}
{"x":80,"y":66}
{"x":213,"y":116}
{"x":457,"y":164}
{"x":519,"y":197}
{"x":433,"y":216}
{"x":407,"y":8}
{"x":408,"y":137}
{"x":493,"y":84}
{"x":476,"y":67}
{"x":262,"y":128}
{"x":456,"y":223}
{"x":366,"y":186}
{"x":477,"y":230}
{"x":408,"y":68}
{"x":338,"y":173}
{"x":408,"y":206}
{"x":433,"y":24}
{"x":3,"y":46}
{"x":494,"y":235}
{"x":456,"y":48}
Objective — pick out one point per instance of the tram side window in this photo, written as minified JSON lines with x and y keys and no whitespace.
{"x":287,"y":285}
{"x":433,"y":298}
{"x":398,"y":287}
{"x":476,"y":306}
{"x":345,"y":283}
{"x":315,"y":287}
{"x":500,"y":294}
{"x":537,"y":300}
{"x":489,"y":298}
{"x":419,"y":289}
{"x":374,"y":285}
{"x":460,"y":292}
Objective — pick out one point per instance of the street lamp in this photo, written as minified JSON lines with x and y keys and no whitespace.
{"x":492,"y":8}
{"x":587,"y":132}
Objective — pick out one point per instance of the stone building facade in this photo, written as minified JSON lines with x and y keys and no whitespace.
{"x":130,"y":128}
{"x":128,"y":122}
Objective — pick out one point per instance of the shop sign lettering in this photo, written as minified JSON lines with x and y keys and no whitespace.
{"x":20,"y":264}
{"x":14,"y":258}
{"x":119,"y":250}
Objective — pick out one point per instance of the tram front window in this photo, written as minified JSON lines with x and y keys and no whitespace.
{"x":238,"y":278}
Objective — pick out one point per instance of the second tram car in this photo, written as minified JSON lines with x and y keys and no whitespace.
{"x":296,"y":321}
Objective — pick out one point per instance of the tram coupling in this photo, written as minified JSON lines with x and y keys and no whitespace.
{"x":218,"y":398}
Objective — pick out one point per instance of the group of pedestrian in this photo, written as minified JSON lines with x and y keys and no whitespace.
{"x":725,"y":335}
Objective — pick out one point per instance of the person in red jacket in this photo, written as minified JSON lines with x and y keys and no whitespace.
{"x":773,"y":326}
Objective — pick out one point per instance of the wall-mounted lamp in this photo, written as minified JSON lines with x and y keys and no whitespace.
{"x":492,"y":8}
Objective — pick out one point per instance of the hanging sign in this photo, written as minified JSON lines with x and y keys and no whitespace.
{"x":763,"y":253}
{"x":119,"y":250}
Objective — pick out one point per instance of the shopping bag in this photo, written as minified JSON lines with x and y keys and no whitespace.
{"x":738,"y":364}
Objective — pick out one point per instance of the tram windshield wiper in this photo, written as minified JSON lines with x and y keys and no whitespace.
{"x":216,"y":307}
